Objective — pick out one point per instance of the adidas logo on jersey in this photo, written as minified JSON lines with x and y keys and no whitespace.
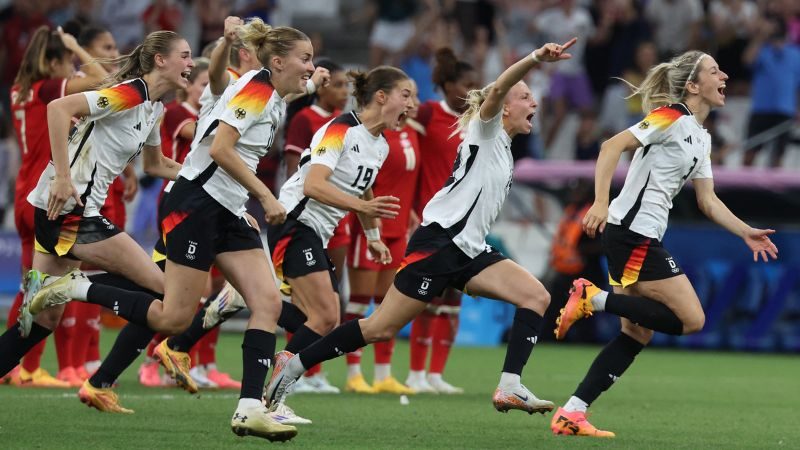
{"x":688,"y":139}
{"x":138,"y":126}
{"x":355,"y":149}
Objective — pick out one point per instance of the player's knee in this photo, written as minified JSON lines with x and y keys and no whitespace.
{"x":172,"y":326}
{"x":267,"y":307}
{"x":537,"y":300}
{"x":694,"y":324}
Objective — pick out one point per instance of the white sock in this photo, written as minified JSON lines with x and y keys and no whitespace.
{"x":77,"y":289}
{"x":509,"y":380}
{"x":416,"y":375}
{"x":212,"y":366}
{"x":383,"y":371}
{"x":575,"y":404}
{"x":599,"y":301}
{"x":437,"y":377}
{"x":246,"y":403}
{"x":353,"y":370}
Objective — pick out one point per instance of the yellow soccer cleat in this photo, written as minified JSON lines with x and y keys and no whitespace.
{"x":55,"y":293}
{"x":256,"y":421}
{"x":40,"y":378}
{"x":575,"y":424}
{"x":177,"y":365}
{"x":104,"y":399}
{"x":359,"y":385}
{"x":390,"y":385}
{"x":579,"y":306}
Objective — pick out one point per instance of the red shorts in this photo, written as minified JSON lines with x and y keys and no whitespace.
{"x":359,"y":257}
{"x":341,"y":234}
{"x":23,"y":219}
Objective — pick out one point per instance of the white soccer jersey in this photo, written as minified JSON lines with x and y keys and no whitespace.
{"x":122,"y":120}
{"x":675,"y":148}
{"x":353,"y":154}
{"x":253,"y":107}
{"x":468,"y":204}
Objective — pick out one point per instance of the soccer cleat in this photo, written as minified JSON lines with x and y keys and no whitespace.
{"x":285,"y":415}
{"x":40,"y":378}
{"x":227,"y":303}
{"x":390,"y":385}
{"x":420,"y":384}
{"x":256,"y":421}
{"x":281,"y":382}
{"x":579,"y":306}
{"x":520,"y":398}
{"x":223,"y":380}
{"x":30,"y":286}
{"x":104,"y":400}
{"x":55,"y":293}
{"x":200,"y":378}
{"x":359,"y":385}
{"x":321,"y":385}
{"x":575,"y":424}
{"x":302,"y":386}
{"x":148,"y":374}
{"x":177,"y":365}
{"x":82,"y":373}
{"x":436,"y":381}
{"x":69,"y":375}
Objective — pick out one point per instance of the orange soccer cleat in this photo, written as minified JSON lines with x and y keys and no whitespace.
{"x":575,"y":424}
{"x":579,"y":306}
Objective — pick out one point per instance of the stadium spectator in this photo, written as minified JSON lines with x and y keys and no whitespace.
{"x":677,"y":25}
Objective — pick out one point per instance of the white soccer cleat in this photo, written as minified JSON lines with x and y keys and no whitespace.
{"x":285,"y":415}
{"x":320,"y":384}
{"x":256,"y":421}
{"x":227,"y":303}
{"x":436,"y":381}
{"x":519,"y":397}
{"x":287,"y":370}
{"x":420,"y":385}
{"x":31,"y":286}
{"x":198,"y":374}
{"x":55,"y":293}
{"x":301,"y":386}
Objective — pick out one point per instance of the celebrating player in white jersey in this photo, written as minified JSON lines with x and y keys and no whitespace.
{"x":449,"y":249}
{"x":651,"y":292}
{"x":118,"y":122}
{"x":335,"y":176}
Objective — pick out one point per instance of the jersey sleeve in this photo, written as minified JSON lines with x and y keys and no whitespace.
{"x":704,"y":171}
{"x":330,"y":147}
{"x":52,"y":88}
{"x":299,"y":134}
{"x":154,"y":138}
{"x":116,"y":98}
{"x":653,"y":129}
{"x":488,"y":129}
{"x":247,"y":102}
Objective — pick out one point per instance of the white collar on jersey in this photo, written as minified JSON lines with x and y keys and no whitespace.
{"x":190,"y":108}
{"x":319,"y":110}
{"x":447,"y":108}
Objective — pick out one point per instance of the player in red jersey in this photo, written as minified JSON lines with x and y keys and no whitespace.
{"x":326,"y":104}
{"x":46,"y":73}
{"x":369,"y":279}
{"x":437,"y":326}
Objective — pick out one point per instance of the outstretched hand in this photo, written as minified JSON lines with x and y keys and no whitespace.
{"x":760,"y":243}
{"x":554,"y":52}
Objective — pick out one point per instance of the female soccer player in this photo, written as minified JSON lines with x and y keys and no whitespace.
{"x":45,"y":74}
{"x":651,"y":292}
{"x":449,"y":249}
{"x":369,"y":279}
{"x":336,"y":175}
{"x":119,"y":122}
{"x":437,"y":325}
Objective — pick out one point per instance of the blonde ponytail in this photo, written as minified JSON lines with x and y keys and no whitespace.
{"x":665,"y":83}
{"x":267,"y":41}
{"x":474,"y":100}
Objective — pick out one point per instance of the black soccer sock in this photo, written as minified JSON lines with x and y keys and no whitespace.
{"x":291,"y":318}
{"x":129,"y":305}
{"x":130,"y":342}
{"x":302,"y":338}
{"x":118,"y":281}
{"x":257,"y":350}
{"x":184,"y":341}
{"x":345,"y":338}
{"x":523,"y":336}
{"x":13,"y":346}
{"x":608,"y":366}
{"x":645,"y":312}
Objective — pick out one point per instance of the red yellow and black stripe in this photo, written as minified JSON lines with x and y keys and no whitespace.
{"x":662,"y":118}
{"x":123,"y":96}
{"x":413,"y":257}
{"x":630,"y":274}
{"x":253,"y":97}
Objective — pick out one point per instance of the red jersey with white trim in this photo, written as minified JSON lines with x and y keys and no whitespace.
{"x":398,"y":177}
{"x":30,"y":126}
{"x":176,"y":116}
{"x":303,"y":126}
{"x":437,"y":149}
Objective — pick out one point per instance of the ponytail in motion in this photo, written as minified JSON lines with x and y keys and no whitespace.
{"x":665,"y":83}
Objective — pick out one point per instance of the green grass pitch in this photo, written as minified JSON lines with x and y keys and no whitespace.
{"x":668,"y":399}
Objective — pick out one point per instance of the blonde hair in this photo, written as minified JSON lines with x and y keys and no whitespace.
{"x":474,"y":100}
{"x":142,"y":59}
{"x":267,"y":41}
{"x":665,"y":83}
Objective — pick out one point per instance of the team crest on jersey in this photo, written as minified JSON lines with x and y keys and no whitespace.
{"x":321,"y":151}
{"x":102,"y":102}
{"x":644,"y":124}
{"x":240,"y":113}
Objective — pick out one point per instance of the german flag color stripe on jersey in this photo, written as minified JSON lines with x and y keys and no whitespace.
{"x":663,"y":117}
{"x":172,"y":220}
{"x":254,"y":95}
{"x":68,"y":234}
{"x":333,"y":139}
{"x":630,"y":274}
{"x":413,"y":257}
{"x":123,"y":96}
